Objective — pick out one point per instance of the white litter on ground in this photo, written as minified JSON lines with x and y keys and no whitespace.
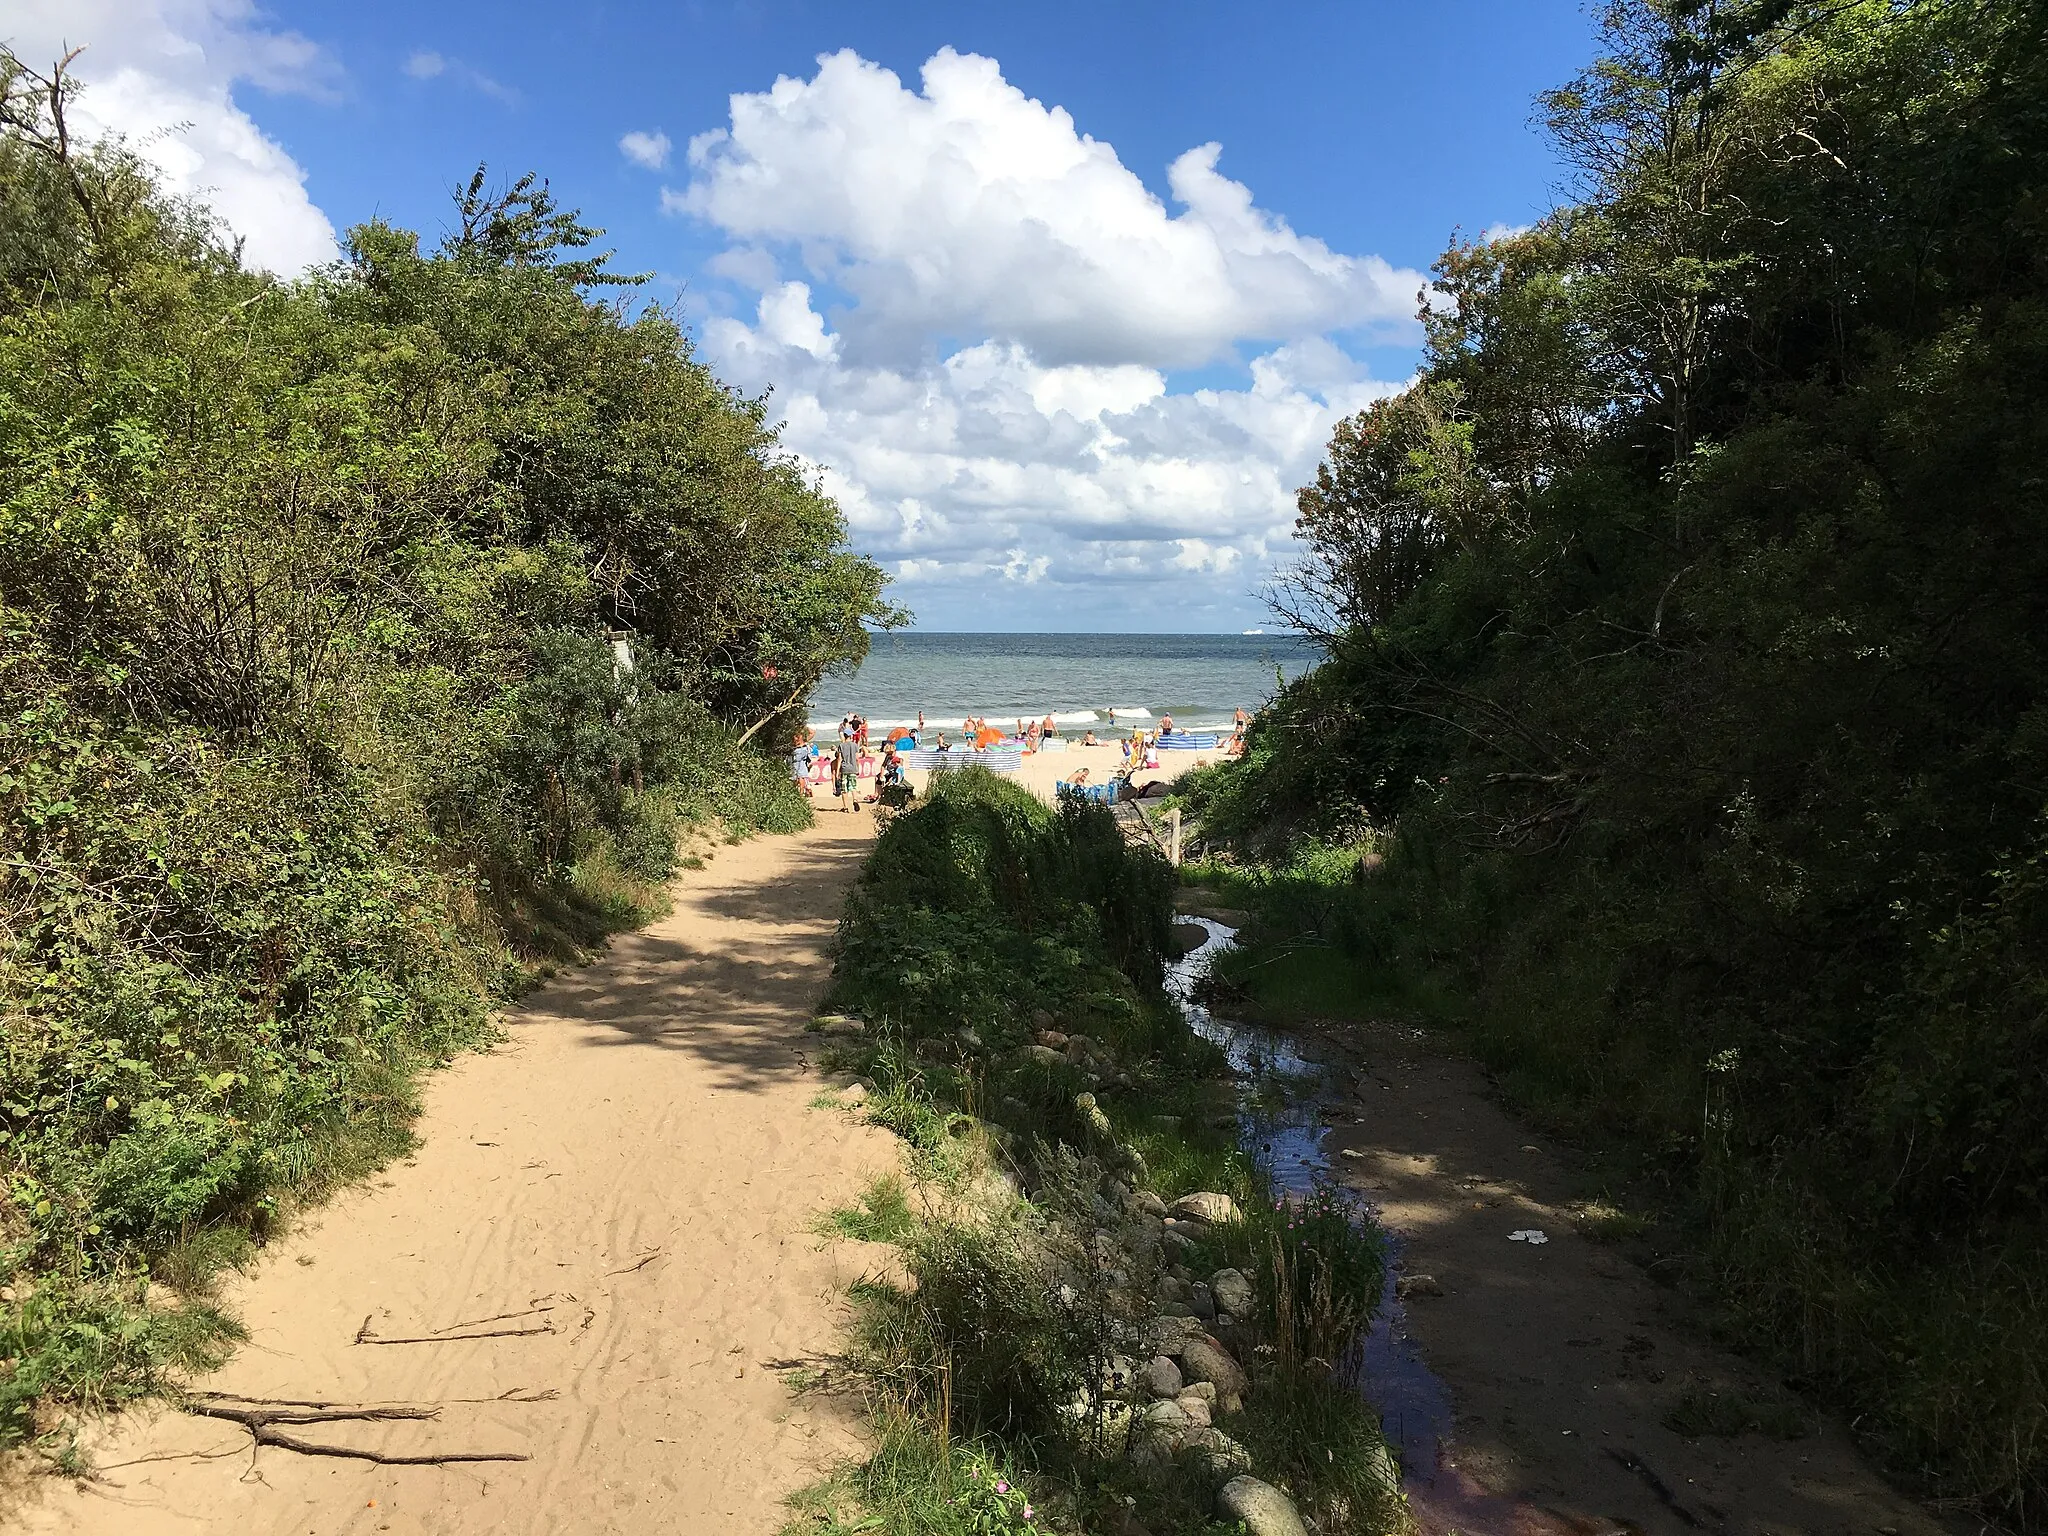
{"x":1528,"y":1235}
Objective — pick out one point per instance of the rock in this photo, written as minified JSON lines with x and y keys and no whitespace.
{"x":1178,"y":1242}
{"x":1237,"y":1335}
{"x":1150,"y":1203}
{"x":1203,"y":1359}
{"x":1196,"y":1408}
{"x":1264,"y":1509}
{"x":1044,"y":1056}
{"x":1169,"y":1289}
{"x":1214,"y":1454}
{"x":1233,"y":1293}
{"x":1205,"y":1390}
{"x":1116,"y":1191}
{"x":1052,"y":1039}
{"x":1406,"y":1286}
{"x":1040,"y":1019}
{"x":838,"y":1024}
{"x":1178,"y":1309}
{"x":1207,"y":1207}
{"x":1160,"y":1377}
{"x":1171,"y":1335}
{"x":1202,"y":1302}
{"x":1093,"y":1117}
{"x":970,"y":1039}
{"x":853,"y":1094}
{"x":1119,"y":1374}
{"x":1167,"y":1413}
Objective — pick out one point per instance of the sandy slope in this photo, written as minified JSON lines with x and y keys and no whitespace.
{"x":632,"y":1173}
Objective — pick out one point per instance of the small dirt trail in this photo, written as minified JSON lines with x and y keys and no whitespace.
{"x":1561,"y":1359}
{"x":602,"y":1238}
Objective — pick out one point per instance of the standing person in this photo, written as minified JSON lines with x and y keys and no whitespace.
{"x":1166,"y":725}
{"x":920,"y":725}
{"x":846,"y":774}
{"x":1049,"y":727}
{"x":1242,"y":720}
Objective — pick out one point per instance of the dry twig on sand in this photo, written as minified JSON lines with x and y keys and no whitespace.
{"x":261,"y":1416}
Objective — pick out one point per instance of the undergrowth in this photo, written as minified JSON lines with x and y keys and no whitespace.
{"x":984,"y":925}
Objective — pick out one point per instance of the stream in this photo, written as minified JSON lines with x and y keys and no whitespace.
{"x":1284,"y":1133}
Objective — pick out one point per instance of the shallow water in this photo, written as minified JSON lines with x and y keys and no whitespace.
{"x":1284,"y":1132}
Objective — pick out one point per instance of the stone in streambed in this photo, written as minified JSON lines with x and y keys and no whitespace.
{"x":1160,"y":1377}
{"x":1264,"y":1509}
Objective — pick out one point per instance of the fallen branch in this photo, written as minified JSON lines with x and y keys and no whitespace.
{"x":449,"y":1336}
{"x":645,"y":1259}
{"x":261,"y":1418}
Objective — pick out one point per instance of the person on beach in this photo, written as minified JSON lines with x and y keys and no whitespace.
{"x":1241,"y":721}
{"x":846,"y":774}
{"x":920,"y":723}
{"x":1166,"y":725}
{"x":1049,"y":727}
{"x":1078,"y":776}
{"x":1089,"y":740}
{"x":944,"y":745}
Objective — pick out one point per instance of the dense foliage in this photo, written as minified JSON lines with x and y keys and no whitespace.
{"x":1688,"y":634}
{"x":313,"y":734}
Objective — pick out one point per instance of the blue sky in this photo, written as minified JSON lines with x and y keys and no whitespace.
{"x":1061,"y":372}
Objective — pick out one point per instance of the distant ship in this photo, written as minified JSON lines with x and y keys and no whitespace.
{"x":1255,"y":631}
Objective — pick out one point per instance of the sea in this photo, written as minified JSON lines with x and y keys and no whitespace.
{"x":1201,"y":680}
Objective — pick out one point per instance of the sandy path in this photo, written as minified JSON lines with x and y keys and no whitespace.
{"x":1562,"y":1360}
{"x":632,"y":1172}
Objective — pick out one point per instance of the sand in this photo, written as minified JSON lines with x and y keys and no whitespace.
{"x":1041,"y":770}
{"x":628,"y":1181}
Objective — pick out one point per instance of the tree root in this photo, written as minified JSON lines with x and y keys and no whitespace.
{"x":260,"y":1417}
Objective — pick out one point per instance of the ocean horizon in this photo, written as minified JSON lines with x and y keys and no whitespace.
{"x":1079,"y":679}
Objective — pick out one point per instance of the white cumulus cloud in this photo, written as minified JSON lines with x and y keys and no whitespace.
{"x":970,"y":208}
{"x":162,"y":73}
{"x":970,"y":313}
{"x":646,"y":149}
